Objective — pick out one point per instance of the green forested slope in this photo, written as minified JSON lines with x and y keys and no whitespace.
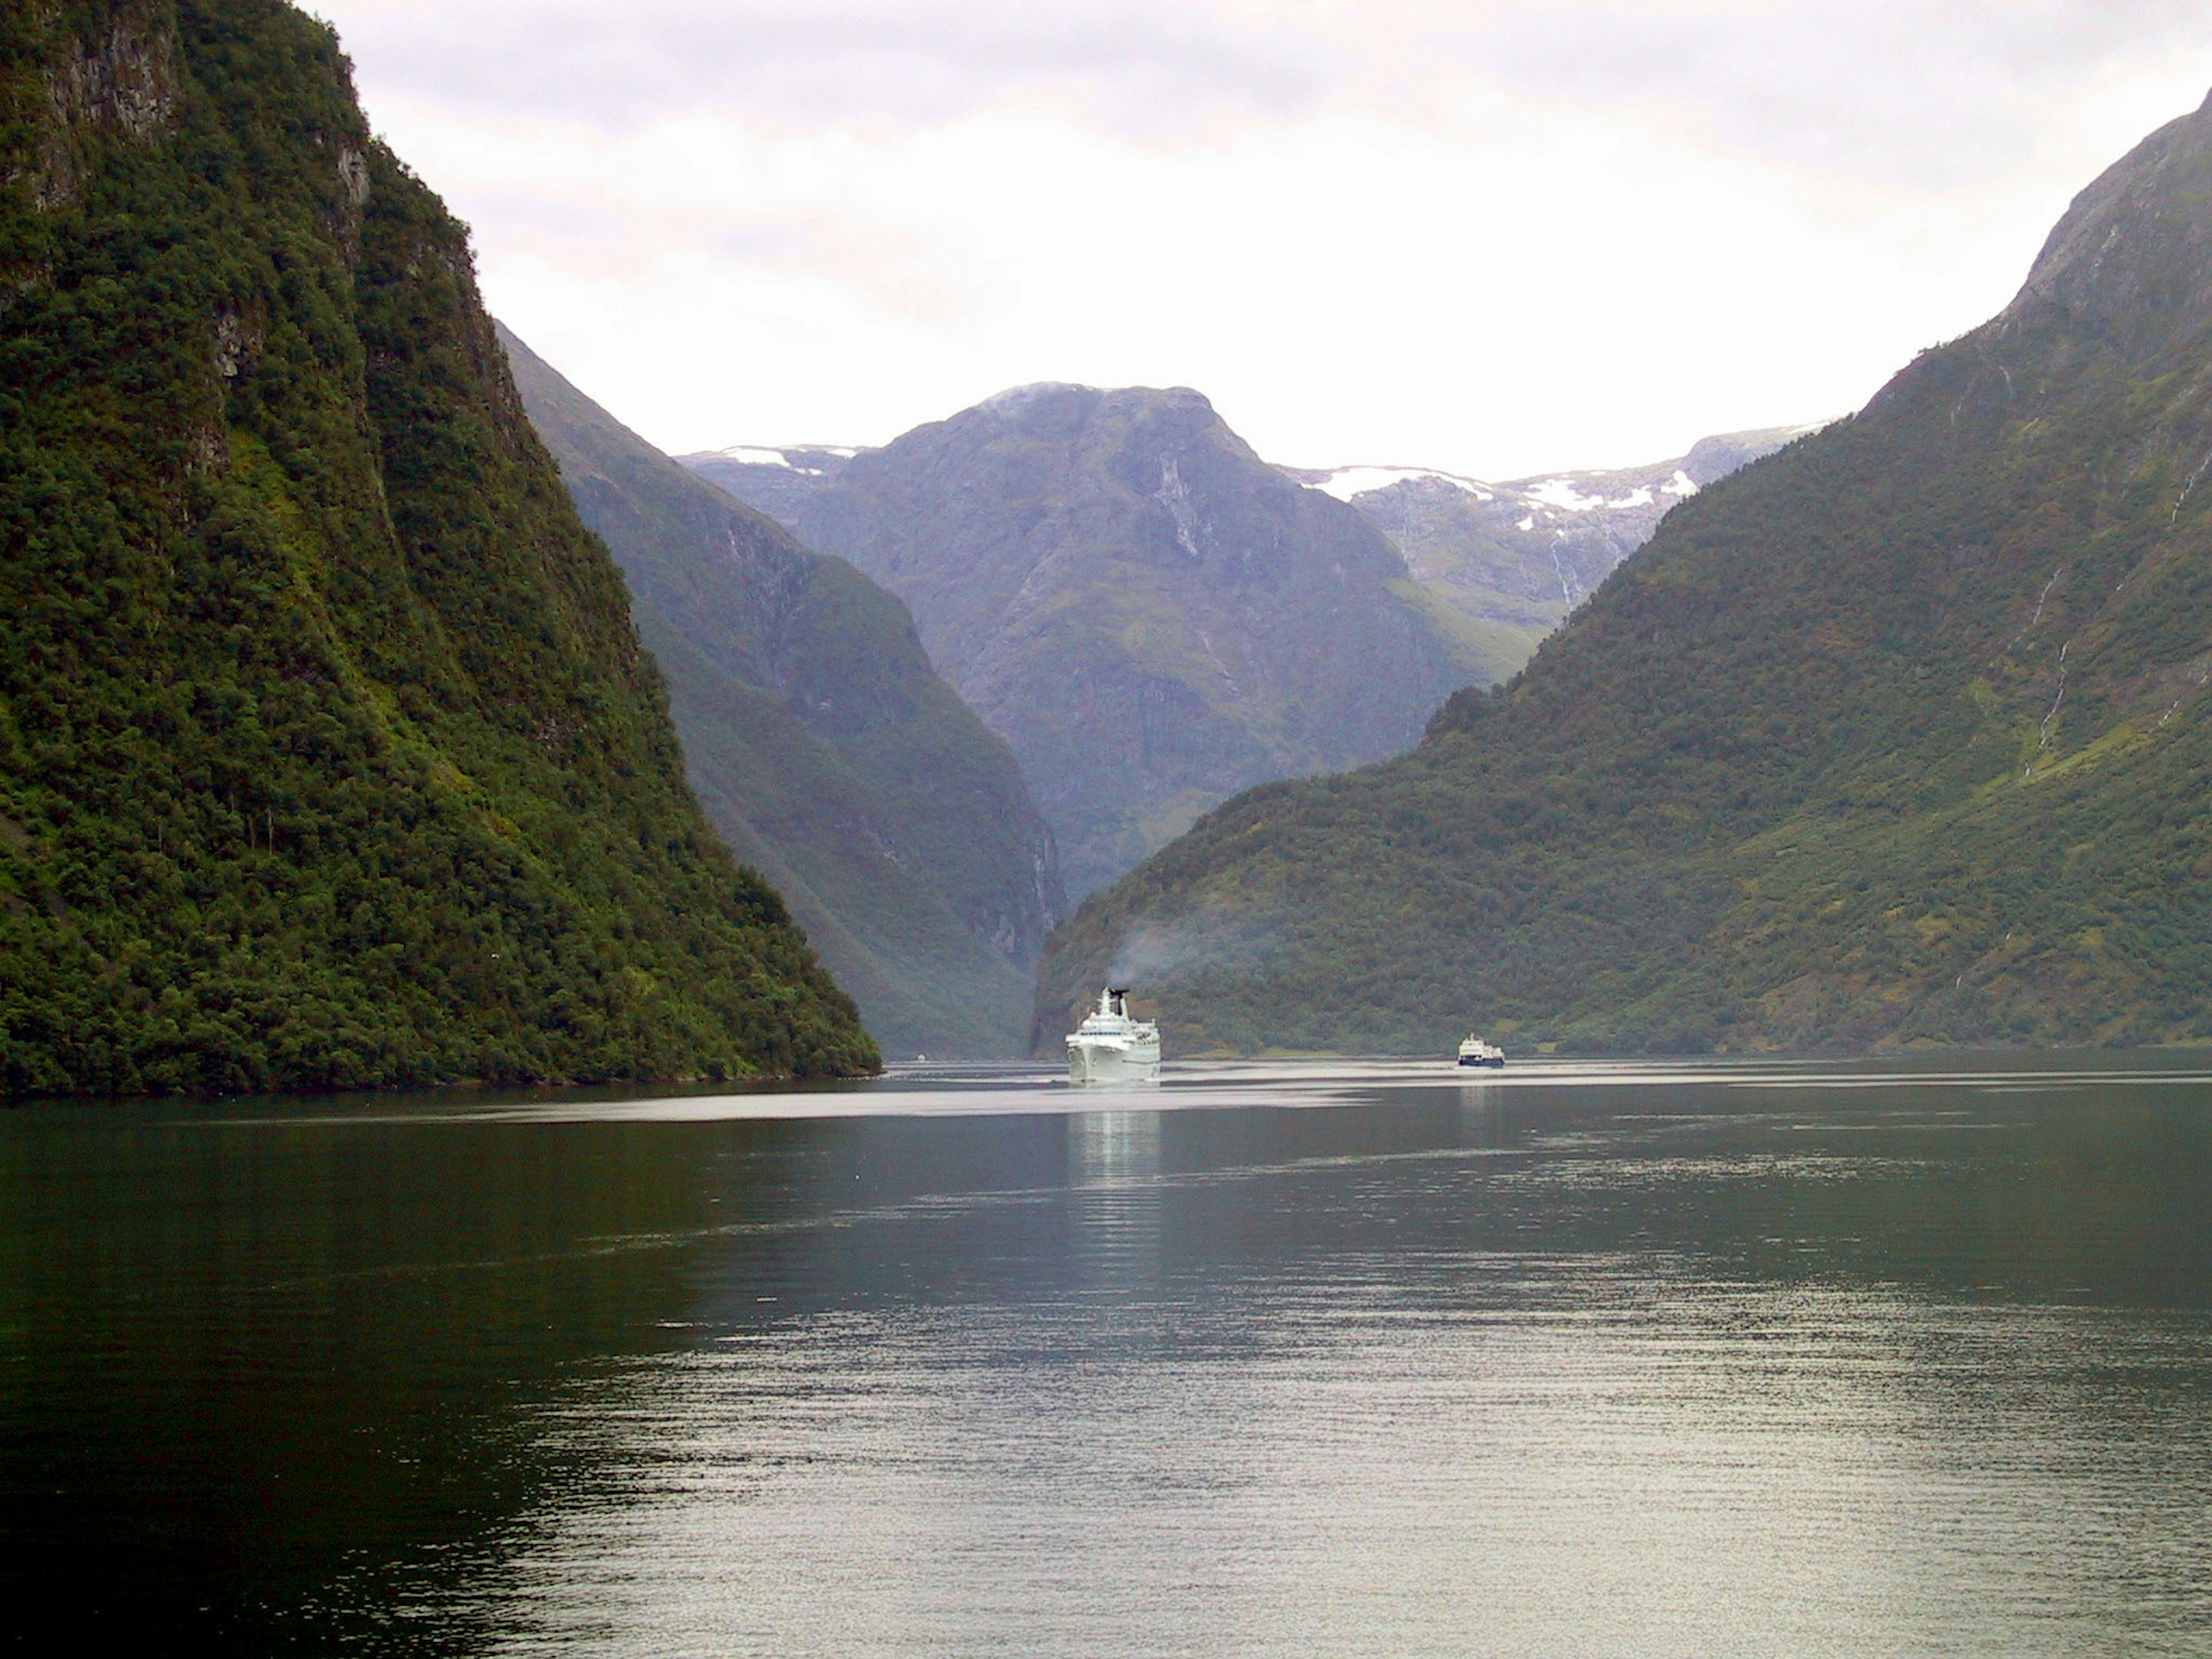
{"x":826,"y":749}
{"x":327,"y":752}
{"x":1898,"y":736}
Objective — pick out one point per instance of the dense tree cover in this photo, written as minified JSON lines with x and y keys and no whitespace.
{"x":826,"y":749}
{"x":328,"y":754}
{"x":1895,"y":736}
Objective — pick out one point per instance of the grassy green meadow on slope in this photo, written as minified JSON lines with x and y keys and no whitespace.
{"x":328,"y":754}
{"x":1898,"y":736}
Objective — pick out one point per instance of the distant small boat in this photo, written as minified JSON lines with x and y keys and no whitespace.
{"x":1110,"y":1046}
{"x":1475,"y":1052}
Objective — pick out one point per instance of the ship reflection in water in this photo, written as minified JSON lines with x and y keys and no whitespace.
{"x":1328,"y":1360}
{"x":1114,"y":1199}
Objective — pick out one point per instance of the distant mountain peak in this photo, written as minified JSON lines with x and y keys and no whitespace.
{"x":1346,"y":481}
{"x":1016,"y":398}
{"x":1898,"y":739}
{"x":1150,"y":616}
{"x":1051,"y":401}
{"x":2134,"y":251}
{"x":796,"y":457}
{"x":1509,"y":559}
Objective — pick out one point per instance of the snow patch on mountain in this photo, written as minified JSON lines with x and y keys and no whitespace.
{"x":747,"y":455}
{"x":794,"y":458}
{"x":1346,"y":481}
{"x":1562,"y":493}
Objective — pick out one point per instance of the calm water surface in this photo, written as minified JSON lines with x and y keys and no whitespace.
{"x":1290,"y":1360}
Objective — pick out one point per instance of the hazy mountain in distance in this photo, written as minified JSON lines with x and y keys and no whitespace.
{"x":328,"y":756}
{"x":779,"y":482}
{"x":1502,"y":563}
{"x":1509,"y":562}
{"x":1496,"y":567}
{"x":827,"y":753}
{"x":1152,"y":617}
{"x":1898,"y":736}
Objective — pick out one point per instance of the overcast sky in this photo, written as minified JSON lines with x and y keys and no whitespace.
{"x":1494,"y":238}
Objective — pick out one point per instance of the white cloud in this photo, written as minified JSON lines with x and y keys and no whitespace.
{"x":1903,"y":91}
{"x":1487,"y":237}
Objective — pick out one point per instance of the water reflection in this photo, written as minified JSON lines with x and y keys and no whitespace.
{"x":1350,"y":1361}
{"x":1114,"y":1197}
{"x":1479,"y":1104}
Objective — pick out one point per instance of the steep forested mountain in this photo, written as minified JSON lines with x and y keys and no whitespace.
{"x":1508,"y":561}
{"x":1149,"y":615}
{"x":328,"y":754}
{"x":1898,"y":736}
{"x":827,"y":751}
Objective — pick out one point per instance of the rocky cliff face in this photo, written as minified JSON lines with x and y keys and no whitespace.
{"x":327,"y":753}
{"x":1152,"y":617}
{"x":827,"y":751}
{"x":2128,"y":270}
{"x":1898,"y":736}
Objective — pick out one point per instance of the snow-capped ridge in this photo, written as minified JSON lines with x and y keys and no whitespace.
{"x":1345,"y":481}
{"x":752,"y":455}
{"x":782,"y":457}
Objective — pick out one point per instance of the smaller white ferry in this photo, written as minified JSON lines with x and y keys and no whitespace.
{"x":1475,"y":1052}
{"x":1110,"y":1046}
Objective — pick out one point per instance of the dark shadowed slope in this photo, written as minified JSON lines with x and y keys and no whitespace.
{"x":1150,"y":616}
{"x":1898,"y":736}
{"x":824,"y":747}
{"x":327,"y":753}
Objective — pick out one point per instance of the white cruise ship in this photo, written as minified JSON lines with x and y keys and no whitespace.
{"x":1110,"y":1046}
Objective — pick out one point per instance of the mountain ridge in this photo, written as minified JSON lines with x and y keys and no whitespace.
{"x":826,"y":748}
{"x":1506,"y":562}
{"x":1495,"y":565}
{"x":1894,"y":737}
{"x":1130,"y":597}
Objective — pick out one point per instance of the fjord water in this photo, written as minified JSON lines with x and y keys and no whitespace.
{"x":1322,"y":1359}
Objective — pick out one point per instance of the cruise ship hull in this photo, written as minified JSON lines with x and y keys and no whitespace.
{"x":1112,"y":1062}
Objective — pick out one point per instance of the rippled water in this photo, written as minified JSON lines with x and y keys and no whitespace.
{"x":1290,"y":1360}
